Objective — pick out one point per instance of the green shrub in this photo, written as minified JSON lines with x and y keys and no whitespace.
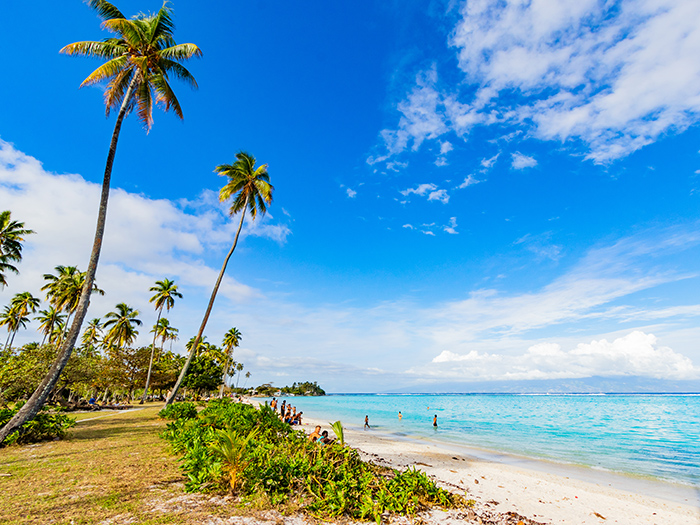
{"x":184,"y":410}
{"x":235,"y":447}
{"x":46,"y":425}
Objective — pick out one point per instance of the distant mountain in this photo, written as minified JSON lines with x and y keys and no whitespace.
{"x":587,"y":385}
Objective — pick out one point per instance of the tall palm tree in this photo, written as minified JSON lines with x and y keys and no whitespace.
{"x":21,"y":306}
{"x":164,"y":331}
{"x":11,"y":236}
{"x":250,"y":188}
{"x":165,"y":294}
{"x":122,"y":326}
{"x":140,"y":60}
{"x":49,"y":319}
{"x":232,"y":339}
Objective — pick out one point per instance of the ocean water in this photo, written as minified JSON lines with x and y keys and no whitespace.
{"x":649,"y":436}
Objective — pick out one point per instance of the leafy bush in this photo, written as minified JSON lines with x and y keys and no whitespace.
{"x":237,"y":448}
{"x":184,"y":410}
{"x":46,"y":425}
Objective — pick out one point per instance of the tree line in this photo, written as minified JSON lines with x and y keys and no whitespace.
{"x":140,"y":60}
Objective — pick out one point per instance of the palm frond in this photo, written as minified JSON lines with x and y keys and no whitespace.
{"x":180,"y":71}
{"x":165,"y":95}
{"x":163,"y":23}
{"x":144,"y":102}
{"x":130,"y":30}
{"x":116,"y":89}
{"x":109,"y":48}
{"x":104,"y":9}
{"x":105,"y":71}
{"x":181,"y":52}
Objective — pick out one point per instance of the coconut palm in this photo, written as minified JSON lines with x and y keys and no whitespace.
{"x":140,"y":61}
{"x":232,"y":339}
{"x":16,"y":314}
{"x":250,"y":190}
{"x":49,"y":319}
{"x":64,"y":289}
{"x":165,"y":294}
{"x":165,"y":332}
{"x":93,"y":332}
{"x":11,"y":236}
{"x":122,"y":325}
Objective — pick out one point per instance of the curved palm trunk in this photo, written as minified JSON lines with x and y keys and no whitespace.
{"x":31,"y":408}
{"x":183,"y":372}
{"x":150,"y":363}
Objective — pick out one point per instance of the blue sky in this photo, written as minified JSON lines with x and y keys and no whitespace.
{"x":464,"y":191}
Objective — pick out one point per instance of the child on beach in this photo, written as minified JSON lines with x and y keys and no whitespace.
{"x":367,"y":422}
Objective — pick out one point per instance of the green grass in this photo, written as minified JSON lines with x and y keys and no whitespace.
{"x":114,"y":467}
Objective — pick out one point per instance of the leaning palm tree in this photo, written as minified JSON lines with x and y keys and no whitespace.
{"x":232,"y":339}
{"x":140,"y":61}
{"x":165,"y":294}
{"x":21,"y":306}
{"x":11,"y":236}
{"x":250,"y":188}
{"x":122,"y":325}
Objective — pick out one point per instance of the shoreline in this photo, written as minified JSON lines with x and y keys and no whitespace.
{"x":544,"y":491}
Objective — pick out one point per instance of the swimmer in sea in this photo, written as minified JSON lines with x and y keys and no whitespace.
{"x":400,"y":416}
{"x":435,"y":421}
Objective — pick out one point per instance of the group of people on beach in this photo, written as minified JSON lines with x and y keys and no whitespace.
{"x":287,"y":412}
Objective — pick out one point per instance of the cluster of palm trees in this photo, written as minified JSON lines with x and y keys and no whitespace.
{"x":140,"y":59}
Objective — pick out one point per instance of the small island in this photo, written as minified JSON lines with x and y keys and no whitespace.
{"x":297,"y":389}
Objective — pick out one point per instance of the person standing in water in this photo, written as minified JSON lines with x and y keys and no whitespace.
{"x":435,"y":421}
{"x":367,"y":422}
{"x":400,"y":416}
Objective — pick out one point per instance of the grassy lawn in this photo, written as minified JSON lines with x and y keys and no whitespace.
{"x":112,"y":469}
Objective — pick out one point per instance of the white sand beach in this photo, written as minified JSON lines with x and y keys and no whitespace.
{"x":544,"y":493}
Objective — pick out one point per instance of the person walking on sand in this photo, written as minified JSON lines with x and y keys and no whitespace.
{"x":435,"y":421}
{"x":367,"y":422}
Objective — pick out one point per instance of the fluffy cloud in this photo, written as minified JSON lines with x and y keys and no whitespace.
{"x":520,"y":161}
{"x":635,"y":354}
{"x":468,"y":181}
{"x":351,"y":193}
{"x":431,"y":190}
{"x":451,"y":228}
{"x":611,"y":76}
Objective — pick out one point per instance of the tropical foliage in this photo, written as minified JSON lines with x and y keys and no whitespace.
{"x":234,"y":448}
{"x":11,"y":237}
{"x":304,"y":389}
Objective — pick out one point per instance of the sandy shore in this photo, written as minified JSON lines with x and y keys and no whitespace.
{"x":544,"y":493}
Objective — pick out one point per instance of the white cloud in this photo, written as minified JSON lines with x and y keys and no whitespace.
{"x":439,"y":195}
{"x":441,"y":161}
{"x":468,"y":181}
{"x":520,"y":161}
{"x":421,"y":189}
{"x":488,"y":163}
{"x":445,"y":147}
{"x":351,"y":193}
{"x":451,"y":228}
{"x":612,"y":76}
{"x":409,"y":226}
{"x":635,"y":354}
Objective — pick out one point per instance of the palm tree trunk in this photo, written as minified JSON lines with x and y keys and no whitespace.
{"x":13,"y":337}
{"x":150,"y":363}
{"x":221,"y":390}
{"x":31,"y":408}
{"x":183,"y":372}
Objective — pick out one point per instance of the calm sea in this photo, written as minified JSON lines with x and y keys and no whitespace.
{"x":654,"y":436}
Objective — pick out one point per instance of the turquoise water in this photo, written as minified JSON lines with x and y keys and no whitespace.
{"x":655,"y":436}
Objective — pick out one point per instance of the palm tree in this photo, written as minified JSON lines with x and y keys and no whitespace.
{"x":63,"y":290}
{"x":165,"y":332}
{"x":139,"y":62}
{"x":17,"y":315}
{"x":165,"y":294}
{"x":122,"y":326}
{"x":232,"y":339}
{"x":11,"y":236}
{"x":250,"y":188}
{"x":92,"y":333}
{"x":49,"y":319}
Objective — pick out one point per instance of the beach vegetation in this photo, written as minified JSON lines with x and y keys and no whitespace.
{"x":249,"y":190}
{"x":235,"y":448}
{"x":139,"y":61}
{"x":49,"y":424}
{"x":337,"y":428}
